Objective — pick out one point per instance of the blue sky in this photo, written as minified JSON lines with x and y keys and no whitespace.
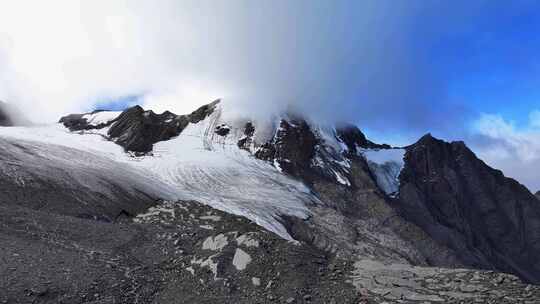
{"x":116,"y":103}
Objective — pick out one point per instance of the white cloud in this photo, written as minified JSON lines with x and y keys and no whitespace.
{"x":514,"y":150}
{"x":62,"y":56}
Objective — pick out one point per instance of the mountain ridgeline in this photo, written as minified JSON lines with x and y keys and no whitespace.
{"x":486,"y":220}
{"x":491,"y":221}
{"x":140,"y":207}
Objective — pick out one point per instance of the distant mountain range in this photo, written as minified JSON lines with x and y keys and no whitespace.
{"x":139,"y":207}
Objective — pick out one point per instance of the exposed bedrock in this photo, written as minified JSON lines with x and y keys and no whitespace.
{"x":491,"y":221}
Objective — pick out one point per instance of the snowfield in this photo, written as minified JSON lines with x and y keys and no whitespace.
{"x":203,"y":166}
{"x":197,"y":165}
{"x":386,"y":165}
{"x":100,"y":118}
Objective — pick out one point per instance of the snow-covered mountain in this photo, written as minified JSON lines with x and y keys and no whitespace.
{"x":337,"y":195}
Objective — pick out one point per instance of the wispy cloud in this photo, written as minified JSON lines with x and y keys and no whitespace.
{"x":506,"y":146}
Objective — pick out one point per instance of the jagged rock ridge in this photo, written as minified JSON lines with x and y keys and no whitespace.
{"x":136,"y":129}
{"x":491,"y":221}
{"x":357,"y":221}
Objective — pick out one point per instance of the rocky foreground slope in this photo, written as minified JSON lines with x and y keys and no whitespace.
{"x":161,"y":208}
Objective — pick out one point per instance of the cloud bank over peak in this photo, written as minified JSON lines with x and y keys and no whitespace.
{"x":512,"y":149}
{"x":337,"y":60}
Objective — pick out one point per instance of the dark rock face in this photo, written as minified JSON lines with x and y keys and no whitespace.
{"x":246,"y":141}
{"x":354,"y":208}
{"x":537,"y":194}
{"x":77,"y":122}
{"x":491,"y":221}
{"x":138,"y":130}
{"x":354,"y":139}
{"x":222,"y":130}
{"x":293,"y":147}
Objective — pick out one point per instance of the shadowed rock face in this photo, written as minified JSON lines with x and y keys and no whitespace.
{"x":491,"y":221}
{"x":77,"y":122}
{"x":138,"y":130}
{"x":355,"y":218}
{"x":354,"y":139}
{"x":293,"y":147}
{"x":537,"y":194}
{"x":301,"y":151}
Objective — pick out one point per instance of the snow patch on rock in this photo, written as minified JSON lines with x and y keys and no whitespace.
{"x":101,"y":118}
{"x":385,"y":165}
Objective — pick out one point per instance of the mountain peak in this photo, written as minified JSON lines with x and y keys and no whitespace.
{"x":354,"y":138}
{"x":445,"y":187}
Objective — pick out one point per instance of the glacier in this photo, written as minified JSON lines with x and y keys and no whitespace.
{"x":196,"y":165}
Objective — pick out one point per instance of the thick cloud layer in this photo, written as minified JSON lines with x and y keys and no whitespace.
{"x":362,"y":61}
{"x":514,"y":150}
